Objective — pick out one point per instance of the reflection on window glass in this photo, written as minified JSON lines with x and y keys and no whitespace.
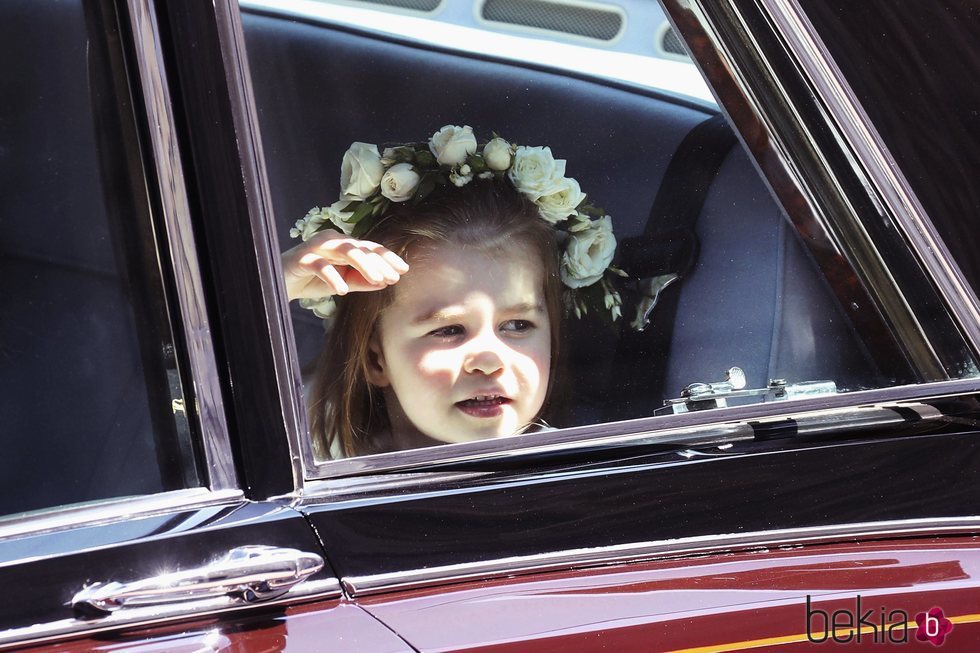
{"x":909,"y":80}
{"x":488,"y":236}
{"x":89,"y":383}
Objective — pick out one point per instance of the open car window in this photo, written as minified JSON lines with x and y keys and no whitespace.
{"x":730,"y":298}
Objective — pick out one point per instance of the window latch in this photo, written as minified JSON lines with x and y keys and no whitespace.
{"x":705,"y":396}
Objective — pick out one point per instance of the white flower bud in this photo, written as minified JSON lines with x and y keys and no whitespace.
{"x":496,"y":154}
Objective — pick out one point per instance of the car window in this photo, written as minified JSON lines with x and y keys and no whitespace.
{"x":92,"y":400}
{"x":726,"y":300}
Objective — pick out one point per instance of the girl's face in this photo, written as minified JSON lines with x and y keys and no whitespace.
{"x":464,"y":350}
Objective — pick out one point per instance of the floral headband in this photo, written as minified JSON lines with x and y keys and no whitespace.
{"x":370,"y":181}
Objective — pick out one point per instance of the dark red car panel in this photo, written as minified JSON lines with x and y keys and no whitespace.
{"x":324,"y":626}
{"x":732,"y":602}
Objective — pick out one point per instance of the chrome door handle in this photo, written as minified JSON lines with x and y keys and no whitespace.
{"x":246,"y":573}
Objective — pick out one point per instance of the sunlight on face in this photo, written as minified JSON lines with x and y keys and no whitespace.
{"x":464,"y":351}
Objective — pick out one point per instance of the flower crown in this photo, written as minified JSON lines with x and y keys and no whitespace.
{"x":370,"y":181}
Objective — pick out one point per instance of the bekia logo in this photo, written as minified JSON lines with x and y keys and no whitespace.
{"x":933,"y":626}
{"x":880,"y":626}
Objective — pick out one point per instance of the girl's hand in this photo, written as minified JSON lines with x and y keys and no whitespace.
{"x":331,"y":263}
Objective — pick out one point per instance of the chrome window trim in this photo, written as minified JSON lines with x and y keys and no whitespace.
{"x":183,"y":253}
{"x":262,"y":222}
{"x":114,"y":510}
{"x":892,"y":187}
{"x":699,"y":427}
{"x":324,"y":589}
{"x":360,"y":586}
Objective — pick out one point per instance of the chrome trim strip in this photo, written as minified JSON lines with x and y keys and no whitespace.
{"x":325,"y":589}
{"x":358,"y":586}
{"x":262,"y":221}
{"x":113,"y":510}
{"x":183,"y":253}
{"x":880,"y":167}
{"x":697,"y":426}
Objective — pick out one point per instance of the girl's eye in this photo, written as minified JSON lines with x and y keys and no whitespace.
{"x":517,"y":325}
{"x":447,"y":331}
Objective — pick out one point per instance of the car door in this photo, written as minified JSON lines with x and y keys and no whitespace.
{"x":135,"y":489}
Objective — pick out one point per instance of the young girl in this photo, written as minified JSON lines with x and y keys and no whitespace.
{"x":462,"y":345}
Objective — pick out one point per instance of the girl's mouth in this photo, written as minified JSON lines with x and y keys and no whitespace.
{"x":483,"y":405}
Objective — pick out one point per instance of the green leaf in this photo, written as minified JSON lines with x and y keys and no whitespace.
{"x":363,"y":226}
{"x":380,"y":206}
{"x":350,"y":207}
{"x":426,"y":185}
{"x":588,"y":209}
{"x":362,"y":212}
{"x":477,"y":164}
{"x":425,"y":159}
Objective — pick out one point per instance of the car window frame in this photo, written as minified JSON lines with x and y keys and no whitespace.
{"x":179,"y":260}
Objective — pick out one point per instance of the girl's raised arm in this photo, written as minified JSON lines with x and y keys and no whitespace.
{"x":330,"y":263}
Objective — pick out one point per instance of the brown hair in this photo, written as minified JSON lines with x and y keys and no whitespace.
{"x":347,"y":413}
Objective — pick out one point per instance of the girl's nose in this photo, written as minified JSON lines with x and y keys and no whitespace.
{"x":484,"y":356}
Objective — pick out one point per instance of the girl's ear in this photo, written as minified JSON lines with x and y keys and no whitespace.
{"x":377,"y":369}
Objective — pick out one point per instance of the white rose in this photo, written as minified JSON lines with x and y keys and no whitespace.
{"x":535,"y":172}
{"x":557,"y":206}
{"x":399,"y":182}
{"x":360,"y":171}
{"x":588,"y":254}
{"x":451,"y":144}
{"x":496,"y":154}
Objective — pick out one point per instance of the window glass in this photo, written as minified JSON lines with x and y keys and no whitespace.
{"x":910,"y":80}
{"x":91,"y":400}
{"x":489,"y":332}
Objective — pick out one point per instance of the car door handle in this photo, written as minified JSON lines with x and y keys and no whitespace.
{"x":246,"y":574}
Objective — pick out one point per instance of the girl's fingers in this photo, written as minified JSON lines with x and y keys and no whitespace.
{"x":337,"y":265}
{"x":361,"y":262}
{"x":319,"y":268}
{"x":392,"y":259}
{"x":372,"y":267}
{"x":333,"y":278}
